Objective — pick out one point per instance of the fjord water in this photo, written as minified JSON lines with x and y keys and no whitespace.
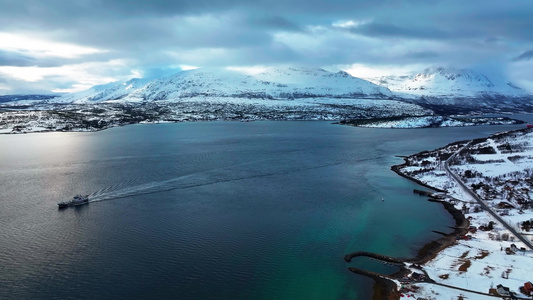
{"x":218,"y":210}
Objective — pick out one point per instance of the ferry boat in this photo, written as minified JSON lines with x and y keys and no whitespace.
{"x":76,"y":200}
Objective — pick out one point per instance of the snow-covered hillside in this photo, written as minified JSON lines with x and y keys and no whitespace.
{"x":448,"y":83}
{"x":275,"y":83}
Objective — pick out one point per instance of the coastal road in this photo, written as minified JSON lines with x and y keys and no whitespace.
{"x":481,"y":202}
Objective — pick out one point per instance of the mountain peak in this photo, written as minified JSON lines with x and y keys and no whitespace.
{"x":448,"y":82}
{"x":456,"y":74}
{"x":290,"y":72}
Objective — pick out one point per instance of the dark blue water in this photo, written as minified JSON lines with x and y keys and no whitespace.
{"x":219,"y":210}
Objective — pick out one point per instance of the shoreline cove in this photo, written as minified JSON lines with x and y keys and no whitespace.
{"x":387,"y":288}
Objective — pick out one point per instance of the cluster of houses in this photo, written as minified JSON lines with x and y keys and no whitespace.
{"x":413,"y":277}
{"x":503,"y":291}
{"x":519,"y":195}
{"x":408,"y":290}
{"x":507,"y":194}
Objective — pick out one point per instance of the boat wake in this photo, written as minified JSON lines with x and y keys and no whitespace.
{"x":243,"y":171}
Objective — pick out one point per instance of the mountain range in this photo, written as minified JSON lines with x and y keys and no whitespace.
{"x":275,"y":83}
{"x":443,"y":90}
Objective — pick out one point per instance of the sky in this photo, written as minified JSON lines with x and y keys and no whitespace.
{"x":64,"y":46}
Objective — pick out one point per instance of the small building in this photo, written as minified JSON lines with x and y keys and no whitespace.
{"x":505,"y":205}
{"x":418,"y":277}
{"x":503,"y":290}
{"x":505,"y":236}
{"x":528,"y":288}
{"x":464,"y":237}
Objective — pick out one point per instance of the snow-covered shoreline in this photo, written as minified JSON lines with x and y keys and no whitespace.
{"x":431,"y":121}
{"x":498,"y":169}
{"x":358,"y":112}
{"x":98,"y":116}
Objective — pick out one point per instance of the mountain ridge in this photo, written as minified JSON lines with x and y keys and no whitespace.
{"x":443,"y":90}
{"x":274,"y":83}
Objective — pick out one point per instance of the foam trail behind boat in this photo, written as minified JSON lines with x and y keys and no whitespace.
{"x":236,"y":172}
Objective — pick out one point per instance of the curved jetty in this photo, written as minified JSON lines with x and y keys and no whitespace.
{"x":385,"y":258}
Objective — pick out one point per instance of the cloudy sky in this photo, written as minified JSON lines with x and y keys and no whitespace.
{"x":62,"y":46}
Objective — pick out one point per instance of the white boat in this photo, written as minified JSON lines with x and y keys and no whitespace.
{"x":76,"y":200}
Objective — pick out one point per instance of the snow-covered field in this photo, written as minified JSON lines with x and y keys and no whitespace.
{"x":500,"y":170}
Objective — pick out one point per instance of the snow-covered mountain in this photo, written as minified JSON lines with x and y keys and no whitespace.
{"x":445,"y":91}
{"x":448,"y":83}
{"x":275,"y":83}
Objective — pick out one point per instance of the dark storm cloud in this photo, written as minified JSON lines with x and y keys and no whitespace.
{"x":524,"y":56}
